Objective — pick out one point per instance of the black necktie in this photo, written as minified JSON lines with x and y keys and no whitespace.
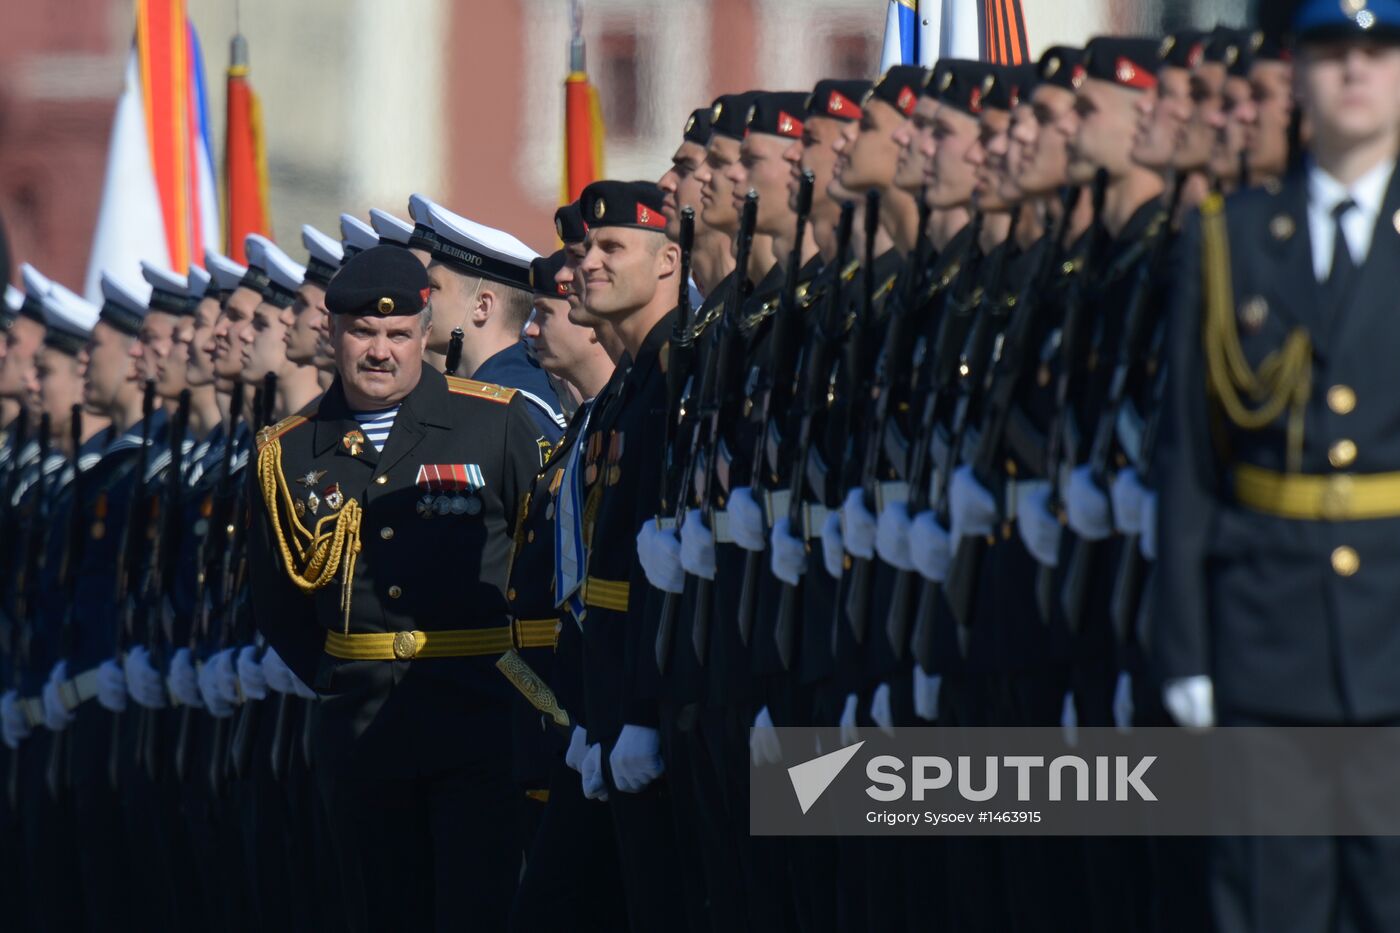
{"x":1343,"y":268}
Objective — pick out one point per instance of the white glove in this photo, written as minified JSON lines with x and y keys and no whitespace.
{"x":929,"y":547}
{"x":892,"y":536}
{"x":636,"y":758}
{"x":578,"y":748}
{"x":764,"y":748}
{"x":833,"y":550}
{"x":926,"y":688}
{"x":12,"y":723}
{"x":184,"y":683}
{"x":250,"y":674}
{"x":1069,"y":719}
{"x":746,"y":524}
{"x":1087,"y":507}
{"x":660,"y":554}
{"x":849,"y":733}
{"x":880,"y":709}
{"x":972,"y":508}
{"x":56,"y":716}
{"x":209,"y":691}
{"x":225,"y":675}
{"x":277,"y":675}
{"x":697,"y":546}
{"x":1147,"y":540}
{"x":143,"y":681}
{"x":1191,"y":701}
{"x":1040,"y":531}
{"x":594,"y":787}
{"x":1123,"y":702}
{"x":1127,"y":493}
{"x":111,"y":687}
{"x":857,"y":526}
{"x":788,"y":558}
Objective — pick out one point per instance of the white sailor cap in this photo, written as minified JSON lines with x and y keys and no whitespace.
{"x":356,"y":235}
{"x":227,"y":273}
{"x":324,"y":256}
{"x":69,"y":320}
{"x":14,"y":300}
{"x":476,"y":249}
{"x":123,"y":305}
{"x":272,"y":272}
{"x":198,"y":281}
{"x":169,"y":292}
{"x":36,"y":286}
{"x":390,"y":229}
{"x":423,"y":237}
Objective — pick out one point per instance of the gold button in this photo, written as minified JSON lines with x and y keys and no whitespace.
{"x":405,"y":645}
{"x":1345,"y":561}
{"x":530,"y":538}
{"x":386,"y":533}
{"x":382,"y":479}
{"x":395,"y":592}
{"x":510,"y":594}
{"x":1342,"y":454}
{"x":1341,"y":399}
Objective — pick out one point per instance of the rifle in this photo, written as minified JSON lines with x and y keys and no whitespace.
{"x":56,"y":770}
{"x":823,"y":342}
{"x":159,"y":613}
{"x":775,"y":390}
{"x":241,"y":742}
{"x":680,"y":359}
{"x":1002,"y":379}
{"x":1071,"y":340}
{"x":219,"y":519}
{"x":454,"y":352}
{"x":1136,"y":333}
{"x":712,"y":404}
{"x":125,"y":599}
{"x":856,"y":578}
{"x":31,"y":566}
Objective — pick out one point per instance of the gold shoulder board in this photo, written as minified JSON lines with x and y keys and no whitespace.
{"x":457,"y":385}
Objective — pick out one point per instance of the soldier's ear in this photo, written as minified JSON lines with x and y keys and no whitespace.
{"x":668,"y":260}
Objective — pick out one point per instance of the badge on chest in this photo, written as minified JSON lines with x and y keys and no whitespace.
{"x":450,"y":489}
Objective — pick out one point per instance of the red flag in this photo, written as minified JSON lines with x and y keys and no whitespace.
{"x":245,"y":161}
{"x":583,"y":122}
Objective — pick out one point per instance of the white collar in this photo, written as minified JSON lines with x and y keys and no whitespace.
{"x":1368,"y":191}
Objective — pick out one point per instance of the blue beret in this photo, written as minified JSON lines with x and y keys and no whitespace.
{"x":1321,"y":20}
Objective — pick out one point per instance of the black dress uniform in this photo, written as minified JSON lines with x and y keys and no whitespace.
{"x":398,"y":621}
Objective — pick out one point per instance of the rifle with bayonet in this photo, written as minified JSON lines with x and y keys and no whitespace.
{"x":823,"y":343}
{"x":680,"y":359}
{"x":1002,"y":380}
{"x":133,"y":530}
{"x":26,"y":588}
{"x":775,"y":391}
{"x":56,"y":769}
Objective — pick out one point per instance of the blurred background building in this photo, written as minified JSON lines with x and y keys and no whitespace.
{"x":366,"y":101}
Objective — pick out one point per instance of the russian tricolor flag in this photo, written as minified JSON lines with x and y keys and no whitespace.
{"x":920,"y":32}
{"x":159,"y":198}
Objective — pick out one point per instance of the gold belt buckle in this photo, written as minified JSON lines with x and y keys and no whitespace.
{"x":405,"y":646}
{"x":1336,"y":496}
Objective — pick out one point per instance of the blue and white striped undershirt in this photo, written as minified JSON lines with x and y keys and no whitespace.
{"x":377,"y":425}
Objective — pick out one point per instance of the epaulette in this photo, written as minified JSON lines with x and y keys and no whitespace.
{"x":459,"y":385}
{"x":849,"y":272}
{"x":273,"y":431}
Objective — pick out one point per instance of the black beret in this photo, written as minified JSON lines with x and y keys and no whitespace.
{"x":382,"y":280}
{"x":960,"y":84}
{"x":837,"y":99}
{"x":899,"y":87}
{"x":1224,"y":45}
{"x":1010,"y":85}
{"x":697,"y":126}
{"x":1062,"y":66}
{"x":729,"y":113}
{"x":634,"y":204}
{"x":542,"y":272}
{"x":1268,"y":46}
{"x":1127,"y":62}
{"x":778,"y":113}
{"x":1184,"y":48}
{"x":569,"y":225}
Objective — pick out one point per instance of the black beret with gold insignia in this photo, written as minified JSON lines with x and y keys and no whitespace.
{"x":542,"y":272}
{"x":1184,"y":48}
{"x":697,"y":126}
{"x":778,"y":114}
{"x":1062,"y":66}
{"x":959,"y":83}
{"x":1010,"y":86}
{"x":899,"y":87}
{"x":837,"y":99}
{"x":1129,"y":62}
{"x":382,"y":280}
{"x":569,"y":225}
{"x":634,"y":204}
{"x":1230,"y":47}
{"x":729,"y":114}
